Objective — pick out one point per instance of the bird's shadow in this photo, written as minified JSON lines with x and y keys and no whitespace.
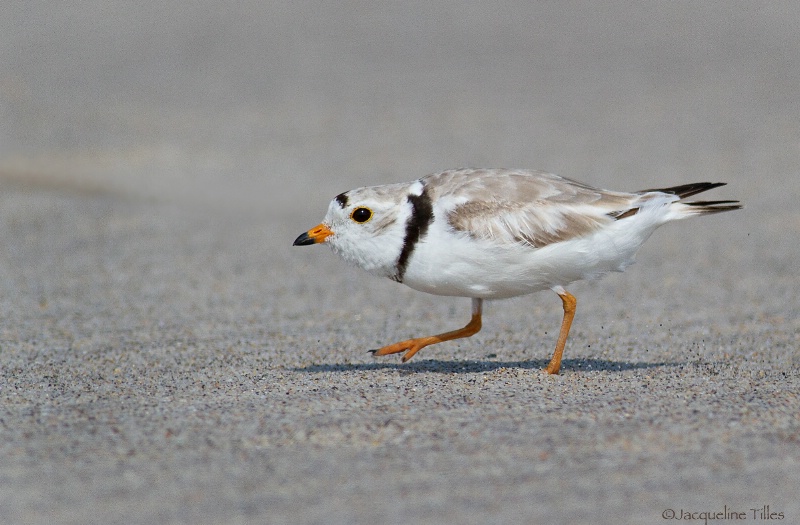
{"x":472,"y":366}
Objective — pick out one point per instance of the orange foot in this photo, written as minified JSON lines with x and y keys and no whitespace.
{"x":412,"y":346}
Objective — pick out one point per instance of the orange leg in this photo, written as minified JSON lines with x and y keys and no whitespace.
{"x":569,"y":313}
{"x":415,"y":345}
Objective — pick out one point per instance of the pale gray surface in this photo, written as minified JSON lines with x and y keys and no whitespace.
{"x":167,"y":356}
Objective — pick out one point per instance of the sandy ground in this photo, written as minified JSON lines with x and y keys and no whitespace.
{"x":166,"y":355}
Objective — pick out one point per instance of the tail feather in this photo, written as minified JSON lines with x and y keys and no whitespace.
{"x":680,"y":209}
{"x":704,"y":207}
{"x":687,"y":190}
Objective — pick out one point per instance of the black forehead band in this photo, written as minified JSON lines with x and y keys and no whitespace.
{"x":342,"y":200}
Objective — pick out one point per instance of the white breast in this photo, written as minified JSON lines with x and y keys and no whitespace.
{"x":453,"y":263}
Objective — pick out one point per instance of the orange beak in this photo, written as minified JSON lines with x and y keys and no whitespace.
{"x":315,"y":235}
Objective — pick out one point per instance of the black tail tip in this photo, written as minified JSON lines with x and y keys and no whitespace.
{"x":687,"y":190}
{"x":715,"y":206}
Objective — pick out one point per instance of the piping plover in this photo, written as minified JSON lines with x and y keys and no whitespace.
{"x":497,"y":233}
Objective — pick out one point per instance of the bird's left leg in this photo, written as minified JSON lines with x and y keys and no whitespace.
{"x":570,"y":303}
{"x":412,"y":346}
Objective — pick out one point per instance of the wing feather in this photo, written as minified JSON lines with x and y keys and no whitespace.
{"x":527,"y":207}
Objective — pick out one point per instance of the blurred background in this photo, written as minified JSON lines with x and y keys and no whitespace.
{"x":240,"y":103}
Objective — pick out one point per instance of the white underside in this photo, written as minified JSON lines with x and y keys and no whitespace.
{"x":449,"y":263}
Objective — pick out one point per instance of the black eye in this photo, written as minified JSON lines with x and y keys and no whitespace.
{"x":361,"y":214}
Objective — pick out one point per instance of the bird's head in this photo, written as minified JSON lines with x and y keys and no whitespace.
{"x":366,"y":226}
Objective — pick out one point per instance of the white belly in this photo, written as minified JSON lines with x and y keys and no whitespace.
{"x":457,"y":265}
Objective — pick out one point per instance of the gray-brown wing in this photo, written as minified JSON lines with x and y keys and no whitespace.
{"x":520,"y":206}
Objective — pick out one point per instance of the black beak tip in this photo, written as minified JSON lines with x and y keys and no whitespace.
{"x":303,"y":240}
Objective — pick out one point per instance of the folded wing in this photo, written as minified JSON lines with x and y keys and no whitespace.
{"x":531,"y":208}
